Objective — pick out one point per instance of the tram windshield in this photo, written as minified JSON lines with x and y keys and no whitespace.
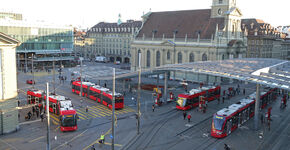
{"x":181,"y":101}
{"x":68,"y":120}
{"x":218,"y":122}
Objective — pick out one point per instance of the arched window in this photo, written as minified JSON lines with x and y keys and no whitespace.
{"x":139,"y":52}
{"x":168,"y":55}
{"x":204,"y":57}
{"x":148,"y":59}
{"x":179,"y":58}
{"x":223,"y":57}
{"x":157,"y":58}
{"x":191,"y":57}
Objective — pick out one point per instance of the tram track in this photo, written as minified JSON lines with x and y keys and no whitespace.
{"x":146,"y":138}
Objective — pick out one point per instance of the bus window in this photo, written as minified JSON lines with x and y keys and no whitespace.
{"x":218,"y":122}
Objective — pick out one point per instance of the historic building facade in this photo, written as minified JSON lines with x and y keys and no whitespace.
{"x":191,"y":35}
{"x":8,"y":84}
{"x":112,"y":40}
{"x":264,"y":41}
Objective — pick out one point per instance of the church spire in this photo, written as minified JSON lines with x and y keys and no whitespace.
{"x":119,"y":20}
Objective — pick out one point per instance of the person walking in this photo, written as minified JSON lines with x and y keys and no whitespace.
{"x":188,"y":118}
{"x":153,"y":108}
{"x":226,"y":147}
{"x":42,"y":117}
{"x":184,"y":114}
{"x":102,"y":139}
{"x":29,"y":115}
{"x":87,"y":109}
{"x":37,"y":112}
{"x":33,"y":110}
{"x":244,"y":91}
{"x":262,"y":118}
{"x":223,"y":99}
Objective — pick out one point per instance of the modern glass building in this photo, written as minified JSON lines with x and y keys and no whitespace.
{"x":47,"y":42}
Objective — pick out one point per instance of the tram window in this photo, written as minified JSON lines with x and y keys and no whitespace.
{"x":195,"y":100}
{"x":73,"y":86}
{"x":85,"y":90}
{"x":235,"y":119}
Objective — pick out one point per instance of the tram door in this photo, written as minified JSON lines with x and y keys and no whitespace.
{"x":228,"y":126}
{"x":29,"y":99}
{"x":54,"y":108}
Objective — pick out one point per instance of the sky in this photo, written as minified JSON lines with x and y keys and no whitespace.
{"x":87,"y":13}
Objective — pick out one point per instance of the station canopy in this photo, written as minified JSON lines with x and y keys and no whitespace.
{"x":274,"y":73}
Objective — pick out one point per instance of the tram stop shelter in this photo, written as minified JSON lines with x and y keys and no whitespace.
{"x":273,"y":73}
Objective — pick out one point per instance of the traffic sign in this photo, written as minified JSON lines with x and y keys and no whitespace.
{"x":111,"y":136}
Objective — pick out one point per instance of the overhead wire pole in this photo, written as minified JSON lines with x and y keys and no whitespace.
{"x":138,"y":99}
{"x":113,"y":110}
{"x":53,"y":71}
{"x":47,"y":116}
{"x":81,"y":92}
{"x":32,"y":70}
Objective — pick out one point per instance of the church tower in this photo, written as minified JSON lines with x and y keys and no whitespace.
{"x":220,"y":7}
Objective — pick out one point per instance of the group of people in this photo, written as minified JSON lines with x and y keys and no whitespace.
{"x":36,"y":111}
{"x":185,"y":115}
{"x":62,"y":79}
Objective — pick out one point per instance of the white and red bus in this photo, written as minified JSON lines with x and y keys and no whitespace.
{"x":58,"y":105}
{"x":189,"y":100}
{"x":100,"y":94}
{"x":228,"y":119}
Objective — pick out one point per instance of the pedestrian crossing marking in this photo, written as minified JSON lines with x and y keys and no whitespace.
{"x":99,"y":111}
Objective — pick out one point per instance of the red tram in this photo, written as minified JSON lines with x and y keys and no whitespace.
{"x":228,"y":119}
{"x":189,"y":100}
{"x":58,"y":105}
{"x":100,"y":94}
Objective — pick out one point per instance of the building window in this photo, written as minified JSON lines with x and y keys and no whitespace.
{"x":220,"y":1}
{"x":191,"y":57}
{"x":148,"y":59}
{"x":223,"y":57}
{"x":139,"y":52}
{"x":204,"y":57}
{"x":157,"y":58}
{"x":179,"y":57}
{"x":168,"y":55}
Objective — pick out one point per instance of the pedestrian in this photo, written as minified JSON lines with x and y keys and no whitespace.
{"x":204,"y":108}
{"x":153,"y":108}
{"x":33,"y":110}
{"x":42,"y":117}
{"x":93,"y":147}
{"x":87,"y":109}
{"x":262,"y":118}
{"x":65,"y":78}
{"x":18,"y":102}
{"x":224,"y":92}
{"x":244,"y":91}
{"x":226,"y":147}
{"x":105,"y":85}
{"x":102,"y":139}
{"x":37,"y":112}
{"x":218,"y":100}
{"x":29,"y":115}
{"x":188,"y":118}
{"x":184,"y":114}
{"x":40,"y":108}
{"x":223,"y":99}
{"x":269,"y":123}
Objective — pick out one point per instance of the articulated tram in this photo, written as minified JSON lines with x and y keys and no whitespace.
{"x":192,"y":99}
{"x":228,"y":119}
{"x":100,"y":94}
{"x":58,"y":105}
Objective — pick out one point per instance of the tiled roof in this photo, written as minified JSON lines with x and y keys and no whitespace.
{"x":190,"y":22}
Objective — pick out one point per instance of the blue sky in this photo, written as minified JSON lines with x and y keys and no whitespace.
{"x":89,"y":12}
